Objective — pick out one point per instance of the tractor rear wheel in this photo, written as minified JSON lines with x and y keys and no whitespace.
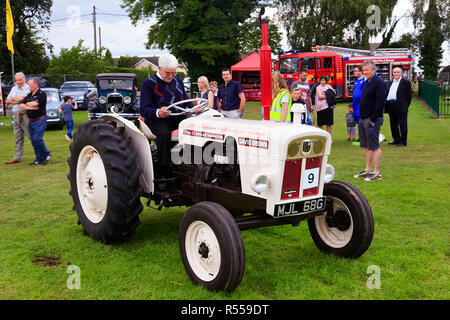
{"x":211,"y":247}
{"x":104,"y":180}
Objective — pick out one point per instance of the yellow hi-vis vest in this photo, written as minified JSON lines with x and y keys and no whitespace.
{"x":277,"y":108}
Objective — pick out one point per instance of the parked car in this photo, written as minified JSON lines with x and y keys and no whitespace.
{"x":116,"y":93}
{"x":44,"y":81}
{"x":77,"y":90}
{"x":54,"y":117}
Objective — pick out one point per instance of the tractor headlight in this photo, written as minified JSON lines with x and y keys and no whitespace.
{"x":329,"y":173}
{"x":52,"y":114}
{"x":127,"y":100}
{"x":306,"y":147}
{"x":102,"y":100}
{"x":259,"y":183}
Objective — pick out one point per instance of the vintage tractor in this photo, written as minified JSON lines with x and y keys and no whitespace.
{"x":232,"y":174}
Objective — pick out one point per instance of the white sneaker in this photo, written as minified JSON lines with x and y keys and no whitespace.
{"x":68,"y":138}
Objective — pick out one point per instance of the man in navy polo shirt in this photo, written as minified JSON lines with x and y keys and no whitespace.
{"x":231,"y":97}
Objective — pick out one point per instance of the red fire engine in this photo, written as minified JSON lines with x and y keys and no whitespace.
{"x":338,"y":64}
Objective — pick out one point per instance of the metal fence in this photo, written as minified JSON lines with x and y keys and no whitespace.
{"x":436,"y":95}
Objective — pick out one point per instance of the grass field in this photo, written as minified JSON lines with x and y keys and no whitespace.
{"x":40,"y":238}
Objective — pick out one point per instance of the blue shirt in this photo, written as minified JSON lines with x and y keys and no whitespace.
{"x":67,"y":111}
{"x":229,"y":95}
{"x":356,"y":96}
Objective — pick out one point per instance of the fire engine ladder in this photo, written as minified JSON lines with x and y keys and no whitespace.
{"x":348,"y":52}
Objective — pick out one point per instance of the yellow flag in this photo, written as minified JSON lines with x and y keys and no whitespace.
{"x":9,"y":27}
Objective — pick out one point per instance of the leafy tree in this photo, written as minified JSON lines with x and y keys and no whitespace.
{"x":431,"y":38}
{"x":77,"y":59}
{"x":201,"y":33}
{"x":109,"y":61}
{"x":127,"y":61}
{"x":434,"y":28}
{"x":30,"y":56}
{"x":250,"y":39}
{"x":329,"y":22}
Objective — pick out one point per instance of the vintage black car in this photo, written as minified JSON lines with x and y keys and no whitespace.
{"x":116,"y":94}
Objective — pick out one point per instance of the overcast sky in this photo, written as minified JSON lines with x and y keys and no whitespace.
{"x":72,"y":20}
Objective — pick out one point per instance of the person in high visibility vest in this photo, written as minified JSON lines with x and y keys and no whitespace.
{"x":281,"y":100}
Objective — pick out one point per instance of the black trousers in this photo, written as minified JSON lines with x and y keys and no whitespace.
{"x":399,"y":123}
{"x":162,"y":128}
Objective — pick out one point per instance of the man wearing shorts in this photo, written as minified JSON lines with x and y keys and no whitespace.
{"x":372,"y":102}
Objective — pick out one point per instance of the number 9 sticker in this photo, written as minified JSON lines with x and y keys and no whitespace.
{"x":311,"y":178}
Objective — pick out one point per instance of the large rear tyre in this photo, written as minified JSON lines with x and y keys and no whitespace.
{"x":211,"y":247}
{"x":348,"y":230}
{"x":104,"y":181}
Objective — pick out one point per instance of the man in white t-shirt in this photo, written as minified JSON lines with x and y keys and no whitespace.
{"x":21,"y":122}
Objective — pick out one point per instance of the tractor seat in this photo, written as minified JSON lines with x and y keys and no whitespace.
{"x":150,"y":135}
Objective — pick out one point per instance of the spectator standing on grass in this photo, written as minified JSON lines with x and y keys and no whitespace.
{"x":357,"y":90}
{"x":231,"y":98}
{"x":205,"y":92}
{"x":373,"y":99}
{"x":305,"y":90}
{"x":281,"y":100}
{"x":21,"y":122}
{"x":35,"y":104}
{"x":397,"y":104}
{"x":215,"y":90}
{"x":66,"y":109}
{"x":351,"y":124}
{"x":296,"y":98}
{"x":325,"y":114}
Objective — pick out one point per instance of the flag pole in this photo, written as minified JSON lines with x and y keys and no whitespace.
{"x":12,"y":66}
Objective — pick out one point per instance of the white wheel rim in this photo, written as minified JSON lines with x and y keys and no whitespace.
{"x":92,"y":184}
{"x":202,"y":251}
{"x":334,"y":237}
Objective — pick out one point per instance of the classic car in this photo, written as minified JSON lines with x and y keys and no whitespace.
{"x":116,"y":94}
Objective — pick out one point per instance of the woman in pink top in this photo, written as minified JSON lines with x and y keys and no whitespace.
{"x":324,"y":112}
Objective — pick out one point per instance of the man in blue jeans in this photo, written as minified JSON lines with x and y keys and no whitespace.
{"x":35,"y":104}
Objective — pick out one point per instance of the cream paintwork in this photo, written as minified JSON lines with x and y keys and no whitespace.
{"x":267,"y":159}
{"x":252,"y":160}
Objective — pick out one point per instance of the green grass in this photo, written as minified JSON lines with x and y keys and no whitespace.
{"x":410,"y":245}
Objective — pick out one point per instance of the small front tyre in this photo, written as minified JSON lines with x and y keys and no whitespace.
{"x":347,"y":231}
{"x":211,"y":247}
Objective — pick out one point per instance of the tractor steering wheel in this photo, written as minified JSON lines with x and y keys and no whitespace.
{"x":201,"y":103}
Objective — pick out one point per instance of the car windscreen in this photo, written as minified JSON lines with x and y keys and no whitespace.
{"x":288,"y":65}
{"x":115,"y":84}
{"x":52,"y":96}
{"x":70,"y":86}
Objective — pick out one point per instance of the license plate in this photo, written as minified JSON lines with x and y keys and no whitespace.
{"x":300,"y":207}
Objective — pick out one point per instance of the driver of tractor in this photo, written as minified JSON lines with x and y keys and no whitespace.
{"x":157,"y":93}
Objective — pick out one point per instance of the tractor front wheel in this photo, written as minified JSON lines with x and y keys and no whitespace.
{"x":346,"y":229}
{"x":211,"y":247}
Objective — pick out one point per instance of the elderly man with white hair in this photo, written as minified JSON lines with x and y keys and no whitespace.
{"x":157,"y":93}
{"x":397,"y":104}
{"x":20,"y":126}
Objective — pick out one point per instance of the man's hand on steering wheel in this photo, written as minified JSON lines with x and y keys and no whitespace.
{"x":163,"y":112}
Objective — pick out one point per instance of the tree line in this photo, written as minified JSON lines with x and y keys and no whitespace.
{"x":211,"y":34}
